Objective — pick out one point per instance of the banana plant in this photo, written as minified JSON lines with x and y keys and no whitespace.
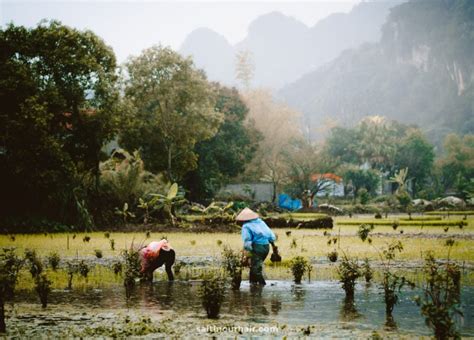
{"x":215,"y":209}
{"x":124,"y":213}
{"x":168,"y":202}
{"x":401,"y":179}
{"x":142,"y":204}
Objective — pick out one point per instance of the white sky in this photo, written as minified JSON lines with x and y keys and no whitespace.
{"x":130,"y":26}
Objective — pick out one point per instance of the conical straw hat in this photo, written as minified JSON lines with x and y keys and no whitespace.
{"x":246,"y":215}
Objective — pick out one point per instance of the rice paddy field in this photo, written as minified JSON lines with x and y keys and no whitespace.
{"x":96,"y":306}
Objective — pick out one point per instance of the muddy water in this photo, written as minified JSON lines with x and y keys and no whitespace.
{"x":317,"y":303}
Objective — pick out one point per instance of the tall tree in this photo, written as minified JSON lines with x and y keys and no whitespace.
{"x":457,"y":163}
{"x":58,"y":95}
{"x":244,"y":68}
{"x":225,"y":155}
{"x":278,"y":125}
{"x":417,"y":155}
{"x":306,"y":163}
{"x":172,"y":108}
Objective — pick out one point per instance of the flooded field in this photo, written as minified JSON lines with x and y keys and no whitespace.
{"x":281,"y":308}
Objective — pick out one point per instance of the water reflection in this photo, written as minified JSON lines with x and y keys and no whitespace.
{"x":256,"y":300}
{"x":320,"y":302}
{"x":348,"y":310}
{"x":390,"y":323}
{"x":298,"y":292}
{"x":275,"y":304}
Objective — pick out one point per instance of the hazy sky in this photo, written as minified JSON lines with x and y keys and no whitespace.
{"x":130,"y":26}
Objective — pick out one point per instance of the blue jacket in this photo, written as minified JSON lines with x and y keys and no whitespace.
{"x":256,"y":231}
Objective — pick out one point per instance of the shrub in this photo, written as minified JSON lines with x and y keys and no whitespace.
{"x":98,"y":253}
{"x":10,"y":266}
{"x":364,"y":231}
{"x":367,"y":271}
{"x":43,"y":288}
{"x":72,"y":269}
{"x":112,"y":244}
{"x":86,"y":239}
{"x":441,"y":299}
{"x":36,"y":267}
{"x":212,"y":293}
{"x":363,"y":195}
{"x":349,"y":271}
{"x":117,"y":267}
{"x":53,"y":260}
{"x":233,"y":265}
{"x":132,"y":265}
{"x":298,"y":266}
{"x":332,"y":256}
{"x":83,"y":269}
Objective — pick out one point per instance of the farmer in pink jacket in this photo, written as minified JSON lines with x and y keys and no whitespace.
{"x":153,"y":256}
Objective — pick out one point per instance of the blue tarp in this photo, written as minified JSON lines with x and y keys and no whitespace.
{"x":286,"y":202}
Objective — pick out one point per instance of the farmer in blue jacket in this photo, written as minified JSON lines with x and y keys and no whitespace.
{"x":256,"y":236}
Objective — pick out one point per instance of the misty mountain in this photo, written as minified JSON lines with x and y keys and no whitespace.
{"x":421,"y":71}
{"x":283,"y":48}
{"x":212,"y":52}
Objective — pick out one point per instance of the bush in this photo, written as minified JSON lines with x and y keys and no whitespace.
{"x":441,"y":299}
{"x":367,"y":271}
{"x":98,"y":253}
{"x":212,"y":293}
{"x":363,"y":195}
{"x":10,"y":266}
{"x":132,"y":266}
{"x":332,"y":256}
{"x":233,"y":263}
{"x":53,"y":260}
{"x":83,"y":269}
{"x":36,"y":266}
{"x":117,"y":267}
{"x":43,"y":288}
{"x":349,"y":271}
{"x":298,"y":266}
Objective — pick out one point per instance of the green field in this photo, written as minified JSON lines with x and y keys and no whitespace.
{"x":417,"y":240}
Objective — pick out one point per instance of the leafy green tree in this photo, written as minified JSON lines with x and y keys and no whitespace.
{"x":58,"y":95}
{"x":362,"y":179}
{"x":416,"y":154}
{"x":457,"y":164}
{"x":305,"y":162}
{"x":171,"y":109}
{"x":373,"y":141}
{"x":225,"y":155}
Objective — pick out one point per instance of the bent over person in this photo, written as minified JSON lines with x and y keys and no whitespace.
{"x":256,"y":236}
{"x":153,"y":256}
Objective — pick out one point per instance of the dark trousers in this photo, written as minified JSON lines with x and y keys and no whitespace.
{"x":166,"y":258}
{"x":259,"y":254}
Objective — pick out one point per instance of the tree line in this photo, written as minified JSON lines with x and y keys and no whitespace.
{"x":65,"y":101}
